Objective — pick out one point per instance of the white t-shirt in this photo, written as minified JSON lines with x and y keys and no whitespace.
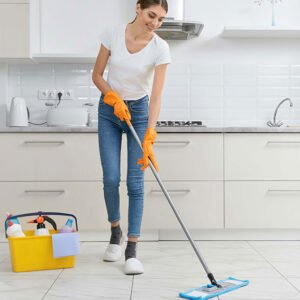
{"x":131,"y":74}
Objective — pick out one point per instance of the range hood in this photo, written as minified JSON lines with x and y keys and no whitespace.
{"x":172,"y":29}
{"x":175,"y":27}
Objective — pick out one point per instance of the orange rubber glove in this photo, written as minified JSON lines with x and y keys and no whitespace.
{"x":120,"y":108}
{"x":149,"y":139}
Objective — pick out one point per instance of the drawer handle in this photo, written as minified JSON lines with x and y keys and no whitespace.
{"x":172,"y":142}
{"x":45,"y":191}
{"x":181,"y":191}
{"x":282,"y":191}
{"x":44,"y":142}
{"x":283,"y":142}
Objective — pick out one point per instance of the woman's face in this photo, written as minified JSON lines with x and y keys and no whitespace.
{"x":152,"y":17}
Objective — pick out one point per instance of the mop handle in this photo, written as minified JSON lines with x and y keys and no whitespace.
{"x":197,"y":251}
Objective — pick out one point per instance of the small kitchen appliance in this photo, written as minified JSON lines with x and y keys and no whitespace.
{"x":19,"y":113}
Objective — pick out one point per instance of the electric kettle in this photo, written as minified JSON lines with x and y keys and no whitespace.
{"x":19,"y":113}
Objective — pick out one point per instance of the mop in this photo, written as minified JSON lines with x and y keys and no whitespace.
{"x":214,"y":288}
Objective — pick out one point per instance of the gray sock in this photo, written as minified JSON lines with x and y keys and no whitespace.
{"x":130,"y":251}
{"x":116,"y":235}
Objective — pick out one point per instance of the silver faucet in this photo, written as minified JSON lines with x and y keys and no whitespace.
{"x":274,"y":123}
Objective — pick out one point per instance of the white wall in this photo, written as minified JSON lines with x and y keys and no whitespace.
{"x":220,"y":81}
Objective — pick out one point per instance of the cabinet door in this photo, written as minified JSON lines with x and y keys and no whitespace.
{"x":200,"y":204}
{"x":62,"y":29}
{"x":270,"y":156}
{"x":188,"y":156}
{"x":14,"y":30}
{"x":262,"y":204}
{"x":49,"y":157}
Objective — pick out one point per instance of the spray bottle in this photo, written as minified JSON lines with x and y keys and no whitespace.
{"x":14,"y":229}
{"x":41,"y":227}
{"x":67,"y":228}
{"x":14,"y":220}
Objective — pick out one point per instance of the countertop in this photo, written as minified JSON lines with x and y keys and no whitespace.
{"x":42,"y":129}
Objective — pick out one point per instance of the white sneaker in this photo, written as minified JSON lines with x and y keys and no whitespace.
{"x":112,"y":253}
{"x":133,"y":267}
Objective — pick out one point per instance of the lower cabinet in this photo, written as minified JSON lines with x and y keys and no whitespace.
{"x":200,"y":204}
{"x":84,"y":199}
{"x":262,"y":204}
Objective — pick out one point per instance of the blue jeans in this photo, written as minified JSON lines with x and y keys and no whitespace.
{"x":110,"y":130}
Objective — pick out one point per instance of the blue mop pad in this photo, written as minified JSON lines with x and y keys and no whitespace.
{"x":210,"y":291}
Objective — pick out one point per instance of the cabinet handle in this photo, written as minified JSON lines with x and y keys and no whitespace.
{"x":45,"y":191}
{"x":282,"y":191}
{"x":283,"y":142}
{"x":172,"y":142}
{"x":44,"y":142}
{"x":182,"y":191}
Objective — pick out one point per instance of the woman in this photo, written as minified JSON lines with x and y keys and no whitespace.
{"x":138,"y":64}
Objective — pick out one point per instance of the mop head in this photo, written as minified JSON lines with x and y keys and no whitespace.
{"x":210,"y":291}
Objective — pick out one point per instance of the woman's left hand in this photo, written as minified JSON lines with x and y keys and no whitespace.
{"x":149,"y":139}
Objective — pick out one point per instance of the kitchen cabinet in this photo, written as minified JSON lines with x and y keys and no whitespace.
{"x":62,"y":172}
{"x":14,"y":29}
{"x":262,"y":187}
{"x":262,"y":204}
{"x":188,"y":156}
{"x":49,"y":157}
{"x":62,"y":29}
{"x":263,"y":156}
{"x":200,"y":203}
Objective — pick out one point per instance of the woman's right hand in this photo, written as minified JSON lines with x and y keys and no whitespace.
{"x":120,"y":108}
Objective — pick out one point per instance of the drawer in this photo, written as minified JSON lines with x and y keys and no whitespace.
{"x":267,"y":204}
{"x":199,"y":203}
{"x":84,"y":199}
{"x":188,"y":156}
{"x":51,"y":156}
{"x":274,"y":156}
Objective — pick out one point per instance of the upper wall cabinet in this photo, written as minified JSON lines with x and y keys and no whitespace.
{"x":14,"y":29}
{"x":74,"y":26}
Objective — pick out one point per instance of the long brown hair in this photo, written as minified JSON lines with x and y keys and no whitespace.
{"x":147,"y":3}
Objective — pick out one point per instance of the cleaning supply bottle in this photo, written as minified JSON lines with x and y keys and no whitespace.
{"x":67,"y":228}
{"x":14,"y":229}
{"x":14,"y":220}
{"x":41,"y":227}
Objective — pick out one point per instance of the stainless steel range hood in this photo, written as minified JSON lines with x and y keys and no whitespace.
{"x":179,"y":30}
{"x":175,"y":27}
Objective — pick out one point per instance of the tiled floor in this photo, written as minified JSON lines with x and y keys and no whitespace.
{"x":273,"y":269}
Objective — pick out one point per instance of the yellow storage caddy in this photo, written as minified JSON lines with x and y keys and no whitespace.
{"x":32,"y":253}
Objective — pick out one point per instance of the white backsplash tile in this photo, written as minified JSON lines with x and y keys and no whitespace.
{"x":295,"y":70}
{"x":274,"y":70}
{"x":209,"y":69}
{"x":206,"y":80}
{"x":273,"y":91}
{"x":175,"y":102}
{"x":237,"y":69}
{"x":295,"y":92}
{"x":206,"y":102}
{"x":239,"y":80}
{"x":174,"y":114}
{"x":177,"y":80}
{"x":295,"y":81}
{"x":206,"y":91}
{"x":240,"y":91}
{"x":273,"y":81}
{"x":217,"y":94}
{"x":240,"y":102}
{"x":176,"y":91}
{"x":206,"y":114}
